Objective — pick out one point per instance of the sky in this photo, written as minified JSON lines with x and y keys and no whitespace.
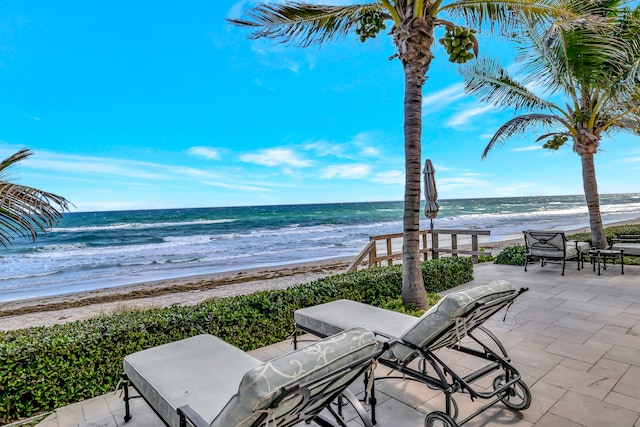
{"x":144,"y":105}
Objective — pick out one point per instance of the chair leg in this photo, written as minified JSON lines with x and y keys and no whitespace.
{"x":127,"y":409}
{"x":563,"y":265}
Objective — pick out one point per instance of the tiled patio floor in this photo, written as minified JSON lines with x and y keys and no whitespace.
{"x":575,"y":339}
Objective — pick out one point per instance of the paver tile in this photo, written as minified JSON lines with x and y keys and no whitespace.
{"x":588,"y":352}
{"x":544,"y":396}
{"x":623,"y":354}
{"x":630,"y":384}
{"x":596,"y":384}
{"x":592,"y":412}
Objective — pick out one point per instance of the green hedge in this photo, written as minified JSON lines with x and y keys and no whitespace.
{"x":611,"y":233}
{"x":47,"y":367}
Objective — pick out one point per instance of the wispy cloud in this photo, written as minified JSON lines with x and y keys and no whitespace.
{"x":464,"y":117}
{"x":463,"y":181}
{"x":528,"y":148}
{"x":355,"y":171}
{"x":389,"y":177}
{"x":208,"y":152}
{"x":370,"y":151}
{"x":362,"y":144}
{"x":438,"y":100}
{"x":73,"y":164}
{"x":324,"y":148}
{"x":235,"y":186}
{"x":276,"y":157}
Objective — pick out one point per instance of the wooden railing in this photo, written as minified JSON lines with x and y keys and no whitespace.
{"x":385,"y":241}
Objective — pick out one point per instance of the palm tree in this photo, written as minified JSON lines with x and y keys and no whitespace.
{"x":593,"y":65}
{"x":24,"y":210}
{"x":413,"y":27}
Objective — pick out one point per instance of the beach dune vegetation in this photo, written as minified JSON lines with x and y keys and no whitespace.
{"x":412,"y":31}
{"x":25,"y":211}
{"x":44,"y":368}
{"x":589,"y":68}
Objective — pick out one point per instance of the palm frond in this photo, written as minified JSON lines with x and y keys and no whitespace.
{"x":24,"y":211}
{"x":303,"y":24}
{"x":490,"y":82}
{"x":519,"y":125}
{"x":505,"y":16}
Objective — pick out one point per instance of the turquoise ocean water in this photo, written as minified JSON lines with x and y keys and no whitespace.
{"x":95,"y":250}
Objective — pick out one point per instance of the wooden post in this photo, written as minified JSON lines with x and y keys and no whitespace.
{"x":434,"y":245}
{"x":373,"y":255}
{"x":454,"y":245}
{"x":474,"y":247}
{"x":425,"y":246}
{"x":389,"y":251}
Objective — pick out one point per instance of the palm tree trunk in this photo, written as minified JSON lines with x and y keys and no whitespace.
{"x":413,"y":290}
{"x":590,"y":185}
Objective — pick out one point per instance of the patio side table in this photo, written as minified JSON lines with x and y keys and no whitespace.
{"x":602,"y":255}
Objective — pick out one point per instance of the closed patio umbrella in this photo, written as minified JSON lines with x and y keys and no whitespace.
{"x":430,"y":192}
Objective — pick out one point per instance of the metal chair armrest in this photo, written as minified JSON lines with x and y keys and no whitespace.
{"x":187,"y":413}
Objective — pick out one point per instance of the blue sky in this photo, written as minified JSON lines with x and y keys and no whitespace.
{"x":136,"y":105}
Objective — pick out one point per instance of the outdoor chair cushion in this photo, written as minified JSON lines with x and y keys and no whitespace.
{"x":430,"y":330}
{"x":228,"y":387}
{"x":201,"y":371}
{"x":421,"y":332}
{"x":629,"y":243}
{"x":549,"y":244}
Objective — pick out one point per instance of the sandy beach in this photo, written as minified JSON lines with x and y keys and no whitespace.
{"x":57,"y":309}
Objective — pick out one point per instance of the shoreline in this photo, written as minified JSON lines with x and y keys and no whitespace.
{"x":187,"y":290}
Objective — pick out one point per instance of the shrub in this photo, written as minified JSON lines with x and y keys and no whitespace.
{"x":47,"y":367}
{"x":611,"y":233}
{"x":512,"y":255}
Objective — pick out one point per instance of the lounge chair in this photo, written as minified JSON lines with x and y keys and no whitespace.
{"x":203,"y":381}
{"x":630,"y":244}
{"x":552,"y":246}
{"x":455,"y":316}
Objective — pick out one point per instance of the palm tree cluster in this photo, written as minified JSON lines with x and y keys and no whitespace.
{"x":25,"y":211}
{"x":573,"y":51}
{"x":589,"y":65}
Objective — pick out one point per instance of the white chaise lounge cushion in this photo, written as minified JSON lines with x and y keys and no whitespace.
{"x":329,"y":318}
{"x":228,"y":387}
{"x":261,"y":385}
{"x":438,"y":326}
{"x":202,"y":371}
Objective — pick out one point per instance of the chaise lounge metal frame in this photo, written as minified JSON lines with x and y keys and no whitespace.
{"x":508,"y":386}
{"x":291,"y":389}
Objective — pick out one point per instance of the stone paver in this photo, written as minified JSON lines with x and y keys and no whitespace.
{"x":575,"y":339}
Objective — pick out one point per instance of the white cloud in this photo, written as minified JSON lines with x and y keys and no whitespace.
{"x":354,"y":171}
{"x":463,"y":181}
{"x":276,"y":157}
{"x":370,"y":151}
{"x":235,"y":186}
{"x":389,"y":177}
{"x":438,"y":100}
{"x":94,"y":165}
{"x":325,"y":148}
{"x":360,"y":145}
{"x":529,"y":148}
{"x":208,"y":152}
{"x":465,"y":116}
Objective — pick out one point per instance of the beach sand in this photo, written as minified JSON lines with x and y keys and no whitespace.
{"x":46,"y":311}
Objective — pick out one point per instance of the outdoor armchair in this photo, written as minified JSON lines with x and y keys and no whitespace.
{"x":445,"y":325}
{"x":203,"y":381}
{"x":552,"y":246}
{"x":630,"y":244}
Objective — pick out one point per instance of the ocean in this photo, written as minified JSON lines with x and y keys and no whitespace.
{"x":94,"y":250}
